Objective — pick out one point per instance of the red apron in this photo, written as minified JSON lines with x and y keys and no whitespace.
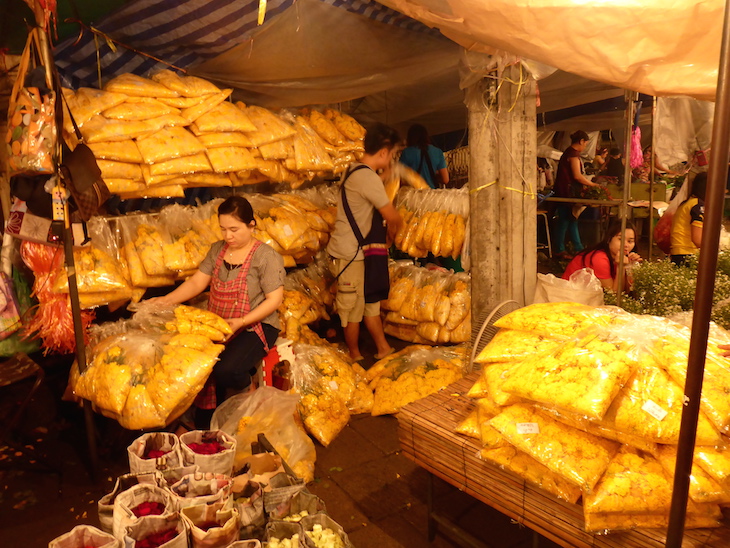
{"x":229,"y":299}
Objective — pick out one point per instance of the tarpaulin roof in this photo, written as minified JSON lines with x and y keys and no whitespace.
{"x":658,"y":47}
{"x":396,"y":68}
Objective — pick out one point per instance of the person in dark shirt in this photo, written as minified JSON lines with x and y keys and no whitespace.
{"x":568,"y":183}
{"x":615,"y":166}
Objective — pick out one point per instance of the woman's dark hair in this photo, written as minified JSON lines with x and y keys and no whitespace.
{"x":578,"y":136}
{"x":699,"y":185}
{"x":613,"y":229}
{"x":237,"y":206}
{"x":380,"y":136}
{"x":418,"y":137}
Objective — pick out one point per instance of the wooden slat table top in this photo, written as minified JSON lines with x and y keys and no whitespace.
{"x":426,"y":434}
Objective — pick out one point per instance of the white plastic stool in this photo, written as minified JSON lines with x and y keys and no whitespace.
{"x":544,"y":216}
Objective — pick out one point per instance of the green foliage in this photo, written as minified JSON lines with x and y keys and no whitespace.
{"x":662,"y":289}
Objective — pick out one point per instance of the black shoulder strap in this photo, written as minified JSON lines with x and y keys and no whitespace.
{"x":427,"y":156}
{"x":346,"y":206}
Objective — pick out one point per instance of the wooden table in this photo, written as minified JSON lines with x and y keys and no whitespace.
{"x":426,"y":434}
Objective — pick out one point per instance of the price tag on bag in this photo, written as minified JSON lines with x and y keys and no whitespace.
{"x":654,"y":410}
{"x":528,"y":428}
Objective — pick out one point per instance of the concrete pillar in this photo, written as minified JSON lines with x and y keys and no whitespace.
{"x":502,"y":180}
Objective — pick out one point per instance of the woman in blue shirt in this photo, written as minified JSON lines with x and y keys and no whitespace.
{"x":421,"y":156}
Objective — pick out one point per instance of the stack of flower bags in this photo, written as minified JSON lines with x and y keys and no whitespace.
{"x":156,"y":136}
{"x":587,"y":402}
{"x":434,"y":221}
{"x":427,"y":306}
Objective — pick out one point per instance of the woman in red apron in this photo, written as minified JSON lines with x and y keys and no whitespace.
{"x":246,"y":279}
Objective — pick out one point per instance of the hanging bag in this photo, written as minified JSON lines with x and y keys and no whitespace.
{"x":31,"y":137}
{"x":374,"y":249}
{"x":82,"y":176}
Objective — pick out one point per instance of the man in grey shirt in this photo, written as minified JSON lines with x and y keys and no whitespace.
{"x":365,"y":195}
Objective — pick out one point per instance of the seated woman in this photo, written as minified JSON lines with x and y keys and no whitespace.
{"x":686,"y":232}
{"x":603,"y":258}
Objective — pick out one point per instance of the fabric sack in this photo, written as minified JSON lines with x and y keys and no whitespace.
{"x":145,"y":529}
{"x":211,"y":525}
{"x":106,"y":503}
{"x":85,"y":536}
{"x":129,"y":500}
{"x":166,"y":447}
{"x":217,"y":463}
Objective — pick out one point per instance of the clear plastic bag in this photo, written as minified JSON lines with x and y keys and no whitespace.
{"x":715,"y":461}
{"x":650,"y":406}
{"x":413,"y":375}
{"x":579,"y":457}
{"x":188,"y":237}
{"x":98,"y":265}
{"x":671,"y":350}
{"x":560,"y":320}
{"x":326,"y":384}
{"x":634,"y":483}
{"x":582,"y":376}
{"x":271,"y":412}
{"x":702,"y":487}
{"x":512,"y":345}
{"x":531,"y":470}
{"x":708,"y":515}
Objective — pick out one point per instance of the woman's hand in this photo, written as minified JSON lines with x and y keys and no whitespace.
{"x":163,"y":299}
{"x":634,"y":258}
{"x":236,"y":323}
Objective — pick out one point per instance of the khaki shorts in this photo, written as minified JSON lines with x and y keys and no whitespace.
{"x":350,"y":301}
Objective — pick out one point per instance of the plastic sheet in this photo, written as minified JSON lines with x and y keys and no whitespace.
{"x":578,"y":457}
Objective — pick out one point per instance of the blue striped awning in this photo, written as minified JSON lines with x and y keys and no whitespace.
{"x":184,"y":33}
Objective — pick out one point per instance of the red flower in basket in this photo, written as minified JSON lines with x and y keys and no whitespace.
{"x":155,"y":540}
{"x":149,"y":509}
{"x":154,"y":453}
{"x":207,"y":447}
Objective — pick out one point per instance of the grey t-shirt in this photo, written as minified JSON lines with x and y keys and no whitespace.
{"x":365,"y":193}
{"x":265,"y":275}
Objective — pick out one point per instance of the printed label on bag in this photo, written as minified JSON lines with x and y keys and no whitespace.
{"x":287,"y":230}
{"x":334,"y":386}
{"x":528,"y":428}
{"x":654,"y":410}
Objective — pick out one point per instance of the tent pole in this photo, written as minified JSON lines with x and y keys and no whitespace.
{"x":630,"y":109}
{"x":652,"y":175}
{"x":714,"y":204}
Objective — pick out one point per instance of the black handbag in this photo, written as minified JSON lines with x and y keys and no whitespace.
{"x":82,"y":176}
{"x":374,"y":249}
